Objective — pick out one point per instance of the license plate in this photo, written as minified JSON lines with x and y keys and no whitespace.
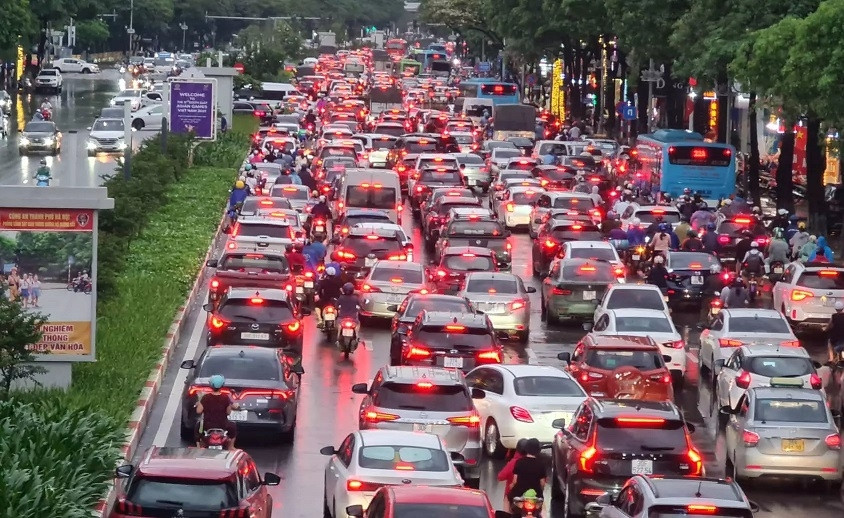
{"x":254,"y":336}
{"x":697,"y":280}
{"x":422,"y":427}
{"x":642,"y":467}
{"x":636,"y":257}
{"x":238,"y":415}
{"x":216,"y":447}
{"x":396,"y":297}
{"x":300,"y":289}
{"x":792,"y":445}
{"x":329,"y":316}
{"x":369,"y":262}
{"x":714,"y":311}
{"x":777,"y":269}
{"x":450,"y":361}
{"x":320,"y":228}
{"x":347,"y":331}
{"x":309,"y":284}
{"x":589,"y":295}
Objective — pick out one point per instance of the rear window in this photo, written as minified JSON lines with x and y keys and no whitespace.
{"x":611,"y":359}
{"x":252,"y":204}
{"x":441,"y":337}
{"x":493,"y":286}
{"x":692,"y":261}
{"x":822,"y":280}
{"x":546,"y":386}
{"x":659,"y":436}
{"x":382,"y":143}
{"x":339,"y":151}
{"x":779,"y":366}
{"x":556,"y":175}
{"x":503,"y":153}
{"x":731,"y":228}
{"x":448,"y":205}
{"x":759,"y":325}
{"x":643,"y":325}
{"x":681,"y":511}
{"x":448,"y":176}
{"x":291,"y":193}
{"x":371,"y":198}
{"x":440,"y":510}
{"x":512,"y":175}
{"x":263,"y":229}
{"x":409,"y":458}
{"x":369,"y":217}
{"x":468,"y":263}
{"x":598,"y":272}
{"x":405,"y":275}
{"x":470,"y":160}
{"x":521,"y":165}
{"x":476,"y":228}
{"x":550,"y":148}
{"x":790,"y":411}
{"x":193,"y":494}
{"x":240,"y":368}
{"x":361,"y":246}
{"x":391,"y":130}
{"x":251,"y":262}
{"x":419,"y":146}
{"x":464,"y":139}
{"x":576,"y":232}
{"x":598,"y":254}
{"x":572,"y":203}
{"x":646,"y":216}
{"x":639,"y":299}
{"x":439,"y":398}
{"x":524,"y":197}
{"x":422,"y":304}
{"x":242,"y":310}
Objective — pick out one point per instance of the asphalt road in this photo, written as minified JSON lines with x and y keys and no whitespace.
{"x":74,"y":110}
{"x":328,"y":410}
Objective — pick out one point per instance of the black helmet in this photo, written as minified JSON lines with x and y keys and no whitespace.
{"x":298,"y":246}
{"x":348,"y":288}
{"x":520,"y":446}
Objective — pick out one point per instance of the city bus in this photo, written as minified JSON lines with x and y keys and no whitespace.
{"x":488,"y":88}
{"x":676,"y":159}
{"x":396,"y":47}
{"x":409,"y":67}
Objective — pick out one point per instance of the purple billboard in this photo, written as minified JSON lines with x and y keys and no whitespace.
{"x":192,"y":107}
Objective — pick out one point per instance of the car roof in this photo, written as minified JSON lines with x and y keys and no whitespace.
{"x":720,"y":492}
{"x":461,"y":496}
{"x":620,"y":342}
{"x":457,"y":250}
{"x":366,"y":211}
{"x":398,"y":265}
{"x":496,"y":276}
{"x":649,"y":287}
{"x":563,"y":194}
{"x":525,"y":369}
{"x":247,"y":293}
{"x":398,"y":438}
{"x":436,"y":318}
{"x":636,"y":312}
{"x":200,"y":463}
{"x":245,"y":220}
{"x":414,"y":374}
{"x":788,"y":393}
{"x":589,"y":244}
{"x":616,"y":407}
{"x":229,"y":351}
{"x":752,"y":312}
{"x":773,"y":350}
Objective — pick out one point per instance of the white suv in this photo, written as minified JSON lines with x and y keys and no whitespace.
{"x":807,"y":293}
{"x":75,"y":65}
{"x":49,"y":79}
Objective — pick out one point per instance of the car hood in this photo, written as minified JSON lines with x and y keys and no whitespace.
{"x":107,"y":134}
{"x":37,"y":134}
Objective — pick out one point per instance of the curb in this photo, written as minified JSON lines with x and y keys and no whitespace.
{"x":149,"y":393}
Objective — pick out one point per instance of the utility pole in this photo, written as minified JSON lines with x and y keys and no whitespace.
{"x":651,"y":76}
{"x":184,"y":28}
{"x":131,"y":29}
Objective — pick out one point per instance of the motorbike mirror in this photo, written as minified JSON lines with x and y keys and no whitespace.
{"x":727,"y":410}
{"x":354,"y":511}
{"x":566,"y":357}
{"x":188,"y":364}
{"x":587,"y":326}
{"x":305,"y":311}
{"x":559,"y":424}
{"x":271,"y":479}
{"x":124,"y":471}
{"x":211,"y":263}
{"x":691,"y":427}
{"x":360,"y":388}
{"x":327,"y":450}
{"x":531,"y":289}
{"x":478,"y":393}
{"x":88,"y":128}
{"x":393,"y":308}
{"x":208,"y":307}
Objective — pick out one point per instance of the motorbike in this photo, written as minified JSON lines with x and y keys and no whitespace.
{"x":42,"y":180}
{"x":79,"y":286}
{"x":214,"y":439}
{"x":527,"y":506}
{"x":329,"y":326}
{"x":777,"y":269}
{"x":715,"y":306}
{"x":347,"y":341}
{"x":319,"y":230}
{"x":752,"y":287}
{"x":636,"y":256}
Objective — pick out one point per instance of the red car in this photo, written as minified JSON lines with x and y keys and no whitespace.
{"x":455,"y":262}
{"x":397,"y":501}
{"x":223,"y":482}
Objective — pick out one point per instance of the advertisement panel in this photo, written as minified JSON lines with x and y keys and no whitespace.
{"x":193,"y":107}
{"x":47,"y":266}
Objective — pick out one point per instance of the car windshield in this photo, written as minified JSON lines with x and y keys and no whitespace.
{"x":599,"y":272}
{"x":253,"y":203}
{"x":290,"y":192}
{"x":243,"y":310}
{"x":640,"y":437}
{"x":420,"y":304}
{"x":371,"y":198}
{"x":692,"y":261}
{"x":48,"y":72}
{"x":572,"y":203}
{"x":468,"y":263}
{"x":240,"y":367}
{"x":790,"y":411}
{"x":557,"y":174}
{"x":524,"y":197}
{"x":476,"y":228}
{"x":503,"y":153}
{"x":545,"y":386}
{"x":39,"y":127}
{"x":636,"y":299}
{"x":361,"y":246}
{"x":252,"y":262}
{"x":382,"y":143}
{"x":779,"y":366}
{"x":455,"y":336}
{"x":594,"y":253}
{"x":755,"y":324}
{"x":129,"y":93}
{"x":263,"y":230}
{"x":397,"y":275}
{"x":108,"y":125}
{"x":576,"y":232}
{"x":339,"y":151}
{"x":438,"y":398}
{"x":463,"y":139}
{"x":639,"y":324}
{"x":394,"y":130}
{"x":552,"y":148}
{"x":403,"y":458}
{"x":492,"y":286}
{"x":420,"y":146}
{"x":646,"y":216}
{"x":820,"y":280}
{"x":447,"y":176}
{"x":442,"y":510}
{"x":371,"y":217}
{"x":611,"y":359}
{"x":188,"y":493}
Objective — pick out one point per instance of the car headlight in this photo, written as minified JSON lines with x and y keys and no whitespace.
{"x":92,"y":145}
{"x":113,"y":102}
{"x":24,"y":141}
{"x":121,"y":144}
{"x":49,"y":141}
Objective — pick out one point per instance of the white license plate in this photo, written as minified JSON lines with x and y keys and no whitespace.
{"x":395,"y":297}
{"x":320,"y":228}
{"x":330,"y":316}
{"x":254,"y":336}
{"x":589,"y":295}
{"x":238,"y":415}
{"x":422,"y":427}
{"x":642,"y":467}
{"x":449,"y":361}
{"x":300,"y":289}
{"x":697,"y":280}
{"x":777,"y":269}
{"x":369,"y":261}
{"x":347,"y":331}
{"x":216,"y":447}
{"x":636,"y":257}
{"x":309,"y":284}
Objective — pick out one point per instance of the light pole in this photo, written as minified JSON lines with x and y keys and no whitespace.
{"x":184,"y":28}
{"x":131,"y":29}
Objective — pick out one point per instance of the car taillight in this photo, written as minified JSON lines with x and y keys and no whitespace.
{"x":368,"y":288}
{"x":550,"y":244}
{"x":348,"y":256}
{"x":294,"y":326}
{"x":724,"y":240}
{"x":677,"y":344}
{"x":420,"y":188}
{"x":697,"y":462}
{"x":815,"y":381}
{"x":510,"y":207}
{"x":833,"y":441}
{"x":661,"y":378}
{"x":472,"y":420}
{"x":126,"y":507}
{"x":729,"y":342}
{"x":750,"y":438}
{"x":417,"y":353}
{"x":518,"y":304}
{"x":521,"y":414}
{"x":359,"y":485}
{"x":441,"y":273}
{"x":560,"y":291}
{"x":590,"y":376}
{"x":401,"y":256}
{"x":587,"y":460}
{"x":798,"y":295}
{"x":743,"y":379}
{"x":218,"y":323}
{"x":196,"y":389}
{"x":372,"y":416}
{"x":492,"y":356}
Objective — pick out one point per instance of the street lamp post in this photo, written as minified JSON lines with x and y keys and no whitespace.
{"x":131,"y":29}
{"x":184,"y":28}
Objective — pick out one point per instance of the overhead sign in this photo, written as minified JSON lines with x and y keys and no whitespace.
{"x":484,"y":66}
{"x":628,"y":113}
{"x":193,"y":107}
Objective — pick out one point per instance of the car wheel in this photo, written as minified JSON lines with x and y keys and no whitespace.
{"x":86,"y":70}
{"x":567,"y":506}
{"x":326,"y":512}
{"x":492,"y":441}
{"x":138,"y":124}
{"x":186,"y":432}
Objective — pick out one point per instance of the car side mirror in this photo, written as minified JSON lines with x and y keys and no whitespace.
{"x":211,"y":263}
{"x":816,"y":364}
{"x":188,"y":364}
{"x":327,"y":450}
{"x":354,"y":511}
{"x":393,"y":308}
{"x":566,"y":357}
{"x":271,"y":479}
{"x":360,"y":388}
{"x":727,"y":410}
{"x":478,"y":393}
{"x":208,"y":307}
{"x":531,"y":289}
{"x":559,"y":424}
{"x":691,"y":427}
{"x":587,"y":326}
{"x":666,"y":358}
{"x":719,"y":364}
{"x":124,"y":471}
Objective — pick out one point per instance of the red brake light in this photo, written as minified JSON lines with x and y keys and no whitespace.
{"x":560,"y":291}
{"x":833,"y":441}
{"x":790,"y":343}
{"x":455,"y":328}
{"x":357,"y":485}
{"x":701,"y":509}
{"x":750,"y":438}
{"x":798,"y":295}
{"x":723,"y":239}
{"x":215,"y":284}
{"x":696,"y":460}
{"x":742,"y":221}
{"x":587,"y":459}
{"x":368,"y":288}
{"x":577,"y":227}
{"x":472,"y":420}
{"x":815,"y":381}
{"x":424,"y":385}
{"x":587,"y":269}
{"x":510,"y":207}
{"x":639,"y":420}
{"x":728,"y":342}
{"x":743,"y":379}
{"x":218,"y":323}
{"x":549,"y":243}
{"x":828,"y":273}
{"x":492,"y":356}
{"x":521,"y":414}
{"x":294,"y":326}
{"x":379,"y":417}
{"x":417,"y":353}
{"x":517,"y":304}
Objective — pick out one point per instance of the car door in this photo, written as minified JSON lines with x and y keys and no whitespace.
{"x":255,"y":493}
{"x":152,"y":118}
{"x":494,"y":403}
{"x":727,"y":392}
{"x":337,"y":471}
{"x":709,"y":340}
{"x":735,"y":426}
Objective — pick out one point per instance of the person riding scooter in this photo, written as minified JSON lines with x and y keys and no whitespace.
{"x":835,"y":332}
{"x":43,"y":175}
{"x":296,"y":259}
{"x":329,"y":290}
{"x":736,"y":295}
{"x":753,"y":261}
{"x":659,"y":274}
{"x":214,"y":408}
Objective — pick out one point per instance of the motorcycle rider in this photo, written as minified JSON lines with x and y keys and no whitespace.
{"x":659,"y":274}
{"x":736,"y":295}
{"x":315,"y":252}
{"x":251,"y":182}
{"x":701,"y":218}
{"x":687,"y":208}
{"x":328,"y":291}
{"x":753,"y":261}
{"x":626,"y":199}
{"x":798,"y":239}
{"x":310,"y":119}
{"x":596,"y":196}
{"x":742,"y":247}
{"x":710,"y":239}
{"x":529,"y":473}
{"x":692,"y":243}
{"x":777,"y":250}
{"x":712,"y":284}
{"x":661,"y":241}
{"x":296,"y":259}
{"x":808,"y":249}
{"x":635,"y":233}
{"x":610,"y":223}
{"x":306,"y":177}
{"x":348,"y":305}
{"x":43,"y":173}
{"x":46,"y":108}
{"x":581,"y":186}
{"x":835,"y":332}
{"x":783,"y":221}
{"x":321,"y":211}
{"x":215,"y":409}
{"x":822,"y":250}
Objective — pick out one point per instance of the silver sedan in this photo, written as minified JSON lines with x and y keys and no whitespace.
{"x":503,"y":297}
{"x":387,"y":284}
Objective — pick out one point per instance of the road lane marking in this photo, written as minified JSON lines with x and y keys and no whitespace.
{"x":533,"y":359}
{"x":173,"y":400}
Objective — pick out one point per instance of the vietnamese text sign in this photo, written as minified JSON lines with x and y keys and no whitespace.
{"x":193,"y":107}
{"x":46,"y":266}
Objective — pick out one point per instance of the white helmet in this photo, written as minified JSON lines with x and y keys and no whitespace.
{"x":659,"y":259}
{"x":330,"y":271}
{"x":839,"y":306}
{"x":754,"y":244}
{"x":782,"y":212}
{"x":635,"y":222}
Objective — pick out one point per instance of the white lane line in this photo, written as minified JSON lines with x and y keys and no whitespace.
{"x":174,"y":399}
{"x":533,"y":359}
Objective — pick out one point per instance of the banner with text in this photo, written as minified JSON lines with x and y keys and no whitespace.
{"x":193,"y":107}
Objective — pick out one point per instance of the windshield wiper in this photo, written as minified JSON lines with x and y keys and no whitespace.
{"x":656,"y":448}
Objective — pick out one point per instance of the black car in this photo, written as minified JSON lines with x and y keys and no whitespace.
{"x":555,"y":177}
{"x":430,"y":178}
{"x":484,"y":232}
{"x":268,"y":317}
{"x":451,"y":340}
{"x":358,"y":249}
{"x":608,"y":441}
{"x":730,"y":233}
{"x":260,"y":380}
{"x":411,"y":307}
{"x":407,"y":144}
{"x":41,"y":136}
{"x":437,"y":214}
{"x":687,"y":274}
{"x":262,"y":111}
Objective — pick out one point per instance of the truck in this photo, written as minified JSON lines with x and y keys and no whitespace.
{"x":513,"y":120}
{"x":384,"y":98}
{"x":377,"y":38}
{"x":327,"y":39}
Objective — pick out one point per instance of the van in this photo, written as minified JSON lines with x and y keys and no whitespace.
{"x":372,"y":189}
{"x":274,"y":93}
{"x":473,"y":107}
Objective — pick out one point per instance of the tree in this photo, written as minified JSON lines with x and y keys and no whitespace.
{"x":91,"y":33}
{"x":19,"y":329}
{"x":14,"y":23}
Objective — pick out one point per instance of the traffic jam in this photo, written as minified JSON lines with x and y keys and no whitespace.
{"x":467,"y":309}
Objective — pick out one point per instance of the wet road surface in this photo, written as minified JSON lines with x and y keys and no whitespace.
{"x":328,"y":409}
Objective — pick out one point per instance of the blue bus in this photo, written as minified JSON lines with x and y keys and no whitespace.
{"x":676,"y":159}
{"x":490,"y":88}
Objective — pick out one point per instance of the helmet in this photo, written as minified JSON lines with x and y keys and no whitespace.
{"x":520,"y":446}
{"x":687,"y":191}
{"x":754,"y":245}
{"x":726,"y":202}
{"x":839,"y":306}
{"x":217,"y":381}
{"x":580,"y":179}
{"x":43,"y":161}
{"x":659,"y":259}
{"x":635,"y":222}
{"x":710,"y":226}
{"x":247,"y":167}
{"x":585,"y":153}
{"x":612,"y":215}
{"x":777,"y":233}
{"x":240,"y":184}
{"x":330,"y":271}
{"x":322,"y":198}
{"x":782,"y":212}
{"x":756,"y":209}
{"x":241,"y":178}
{"x":793,"y":218}
{"x":801,"y":225}
{"x":691,"y":233}
{"x":348,"y":288}
{"x":664,"y":227}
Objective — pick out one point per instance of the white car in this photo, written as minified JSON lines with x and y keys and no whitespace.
{"x":516,"y":204}
{"x":632,"y":296}
{"x":106,"y":136}
{"x":369,"y":459}
{"x":148,"y":117}
{"x":648,"y":322}
{"x":733,"y":328}
{"x":262,"y":232}
{"x":750,"y":367}
{"x":521,"y":401}
{"x":135,"y":96}
{"x":807,"y":294}
{"x":403,"y":238}
{"x":596,"y":250}
{"x":648,"y":214}
{"x":64,"y":65}
{"x":49,"y":79}
{"x":500,"y":157}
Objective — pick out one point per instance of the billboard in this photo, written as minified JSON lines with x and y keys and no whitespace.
{"x":47,"y":265}
{"x":193,"y":107}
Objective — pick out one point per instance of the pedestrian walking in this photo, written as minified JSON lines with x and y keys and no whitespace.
{"x":25,"y":291}
{"x":14,"y":282}
{"x":35,"y":288}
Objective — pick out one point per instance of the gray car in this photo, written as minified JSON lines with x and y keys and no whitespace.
{"x":387,"y":284}
{"x":504,"y":298}
{"x":426,"y":399}
{"x":40,"y":136}
{"x":475,"y":171}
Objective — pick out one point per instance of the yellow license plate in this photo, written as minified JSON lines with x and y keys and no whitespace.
{"x":792,"y":445}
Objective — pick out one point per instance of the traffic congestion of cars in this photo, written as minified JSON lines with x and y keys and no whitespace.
{"x":422,"y":227}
